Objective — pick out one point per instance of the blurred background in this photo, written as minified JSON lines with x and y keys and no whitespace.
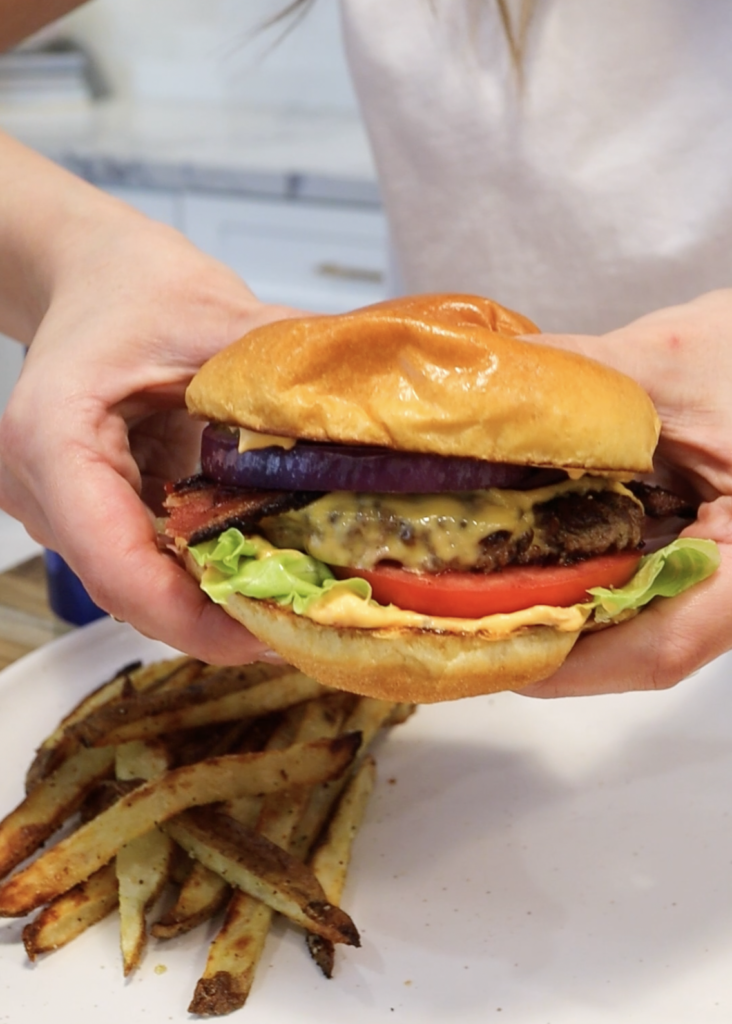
{"x":214,"y":50}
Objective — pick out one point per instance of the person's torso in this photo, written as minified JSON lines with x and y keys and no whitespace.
{"x":598,"y":189}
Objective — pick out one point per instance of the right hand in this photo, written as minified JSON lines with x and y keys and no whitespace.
{"x":96,"y":424}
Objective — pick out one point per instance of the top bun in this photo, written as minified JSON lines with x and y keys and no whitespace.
{"x":431,"y":373}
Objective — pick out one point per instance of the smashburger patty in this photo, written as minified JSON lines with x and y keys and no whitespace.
{"x":428,"y":533}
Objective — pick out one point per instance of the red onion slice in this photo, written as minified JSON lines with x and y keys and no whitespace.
{"x":324,"y":467}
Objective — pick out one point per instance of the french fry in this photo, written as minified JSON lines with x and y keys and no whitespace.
{"x":257,"y":866}
{"x":204,"y":893}
{"x":133,"y":678}
{"x":332,"y":856}
{"x":222,"y":778}
{"x":202,"y":896}
{"x":241,"y":786}
{"x":66,"y":917}
{"x":143,"y":865}
{"x":142,"y":868}
{"x":233,"y":956}
{"x":163,"y":713}
{"x":103,"y":795}
{"x":141,"y":759}
{"x":368,"y":716}
{"x":49,"y":804}
{"x":225,"y":985}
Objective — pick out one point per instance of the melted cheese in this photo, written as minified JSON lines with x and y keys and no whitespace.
{"x":250,"y":440}
{"x":424,"y":532}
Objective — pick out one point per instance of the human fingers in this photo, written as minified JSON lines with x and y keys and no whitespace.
{"x":666,"y":642}
{"x":118,"y":558}
{"x":659,"y":648}
{"x":109,"y":541}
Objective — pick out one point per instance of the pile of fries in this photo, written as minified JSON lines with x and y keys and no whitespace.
{"x":191,"y":789}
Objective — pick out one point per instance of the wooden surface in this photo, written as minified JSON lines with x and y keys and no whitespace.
{"x":26,"y":620}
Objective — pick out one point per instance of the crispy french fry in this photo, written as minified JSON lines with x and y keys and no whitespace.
{"x":69,"y":915}
{"x":261,"y":868}
{"x":368,"y":716}
{"x":322,"y":952}
{"x":228,"y":978}
{"x":206,"y":686}
{"x":142,"y":865}
{"x":49,"y":804}
{"x":282,"y":811}
{"x":141,"y":759}
{"x":133,"y":678}
{"x":142,"y":868}
{"x":233,"y":956}
{"x":202,"y":895}
{"x":204,"y":892}
{"x":332,"y":856}
{"x":103,"y":795}
{"x":259,"y":813}
{"x":242,"y":700}
{"x":222,"y":778}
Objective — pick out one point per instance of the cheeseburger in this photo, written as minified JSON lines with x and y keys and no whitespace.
{"x":412,"y":502}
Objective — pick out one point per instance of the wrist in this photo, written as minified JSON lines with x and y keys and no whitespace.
{"x":44,"y":211}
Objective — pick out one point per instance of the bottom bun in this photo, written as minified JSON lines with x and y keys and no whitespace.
{"x":418,"y":666}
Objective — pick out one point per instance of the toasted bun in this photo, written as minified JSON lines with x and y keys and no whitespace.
{"x":402,"y":664}
{"x":431,"y":373}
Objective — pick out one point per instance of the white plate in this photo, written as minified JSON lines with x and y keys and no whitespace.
{"x":523,"y":861}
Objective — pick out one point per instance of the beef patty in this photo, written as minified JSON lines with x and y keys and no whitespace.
{"x":463,"y":532}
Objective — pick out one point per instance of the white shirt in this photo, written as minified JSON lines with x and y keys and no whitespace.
{"x":600,"y":190}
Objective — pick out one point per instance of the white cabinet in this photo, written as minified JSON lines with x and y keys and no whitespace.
{"x":315,"y":256}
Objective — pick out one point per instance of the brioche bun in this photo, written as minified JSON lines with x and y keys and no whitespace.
{"x":445,"y":374}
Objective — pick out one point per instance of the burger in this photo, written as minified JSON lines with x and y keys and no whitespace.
{"x":412,"y":501}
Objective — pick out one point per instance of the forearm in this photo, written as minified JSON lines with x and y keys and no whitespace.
{"x":18,"y":20}
{"x":44,"y":212}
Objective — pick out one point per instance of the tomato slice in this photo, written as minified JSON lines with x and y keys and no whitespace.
{"x":471,"y":595}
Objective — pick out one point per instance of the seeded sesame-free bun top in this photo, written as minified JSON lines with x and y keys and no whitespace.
{"x":430,"y":373}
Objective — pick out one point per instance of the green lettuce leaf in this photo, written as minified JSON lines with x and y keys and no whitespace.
{"x":251,"y":566}
{"x":665,"y":573}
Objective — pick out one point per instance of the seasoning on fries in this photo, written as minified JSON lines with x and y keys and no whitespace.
{"x":239,"y":789}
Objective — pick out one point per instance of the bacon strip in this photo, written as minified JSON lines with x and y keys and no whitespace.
{"x":199,"y":509}
{"x":660,"y":503}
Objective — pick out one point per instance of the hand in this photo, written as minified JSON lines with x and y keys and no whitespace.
{"x":96,"y":423}
{"x":682,"y":356}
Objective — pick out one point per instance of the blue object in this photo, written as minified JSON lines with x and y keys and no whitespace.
{"x":66,"y":593}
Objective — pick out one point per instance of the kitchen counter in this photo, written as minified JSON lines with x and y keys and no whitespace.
{"x":26,"y":620}
{"x":200,"y":146}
